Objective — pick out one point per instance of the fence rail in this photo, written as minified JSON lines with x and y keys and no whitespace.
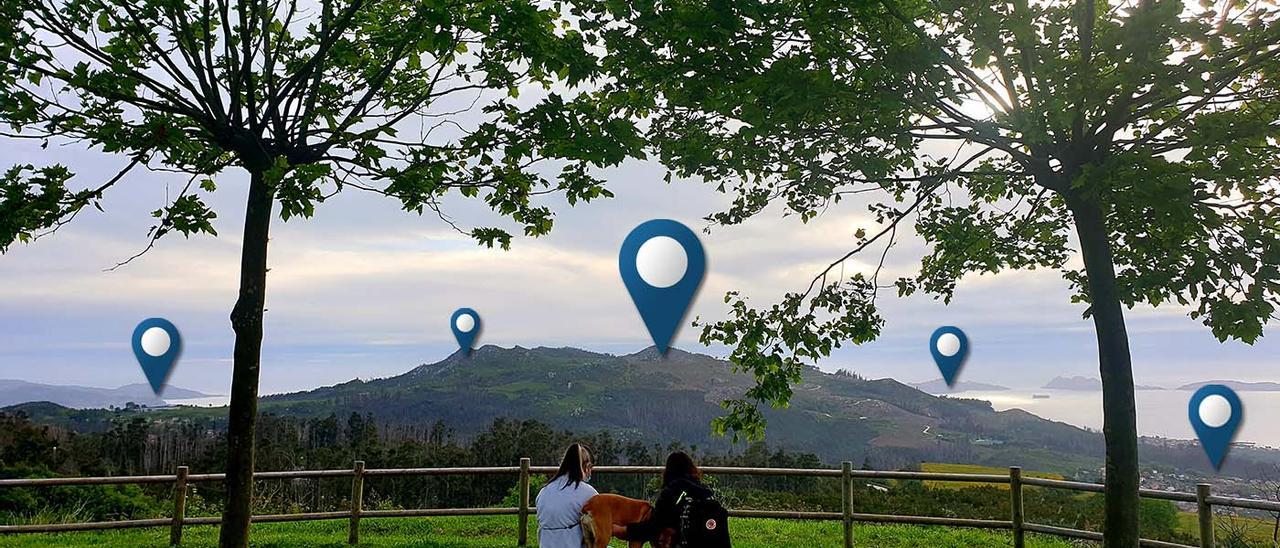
{"x":1203,"y":498}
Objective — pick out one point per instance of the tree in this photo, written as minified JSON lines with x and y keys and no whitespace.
{"x":1007,"y":135}
{"x":413,"y":99}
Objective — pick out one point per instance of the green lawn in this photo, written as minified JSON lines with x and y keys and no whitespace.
{"x":500,"y":531}
{"x":938,"y":467}
{"x":1255,"y":530}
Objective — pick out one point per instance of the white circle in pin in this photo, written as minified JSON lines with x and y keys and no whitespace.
{"x":661,"y":261}
{"x":155,"y":342}
{"x":948,"y":344}
{"x":465,"y":323}
{"x":1215,"y":411}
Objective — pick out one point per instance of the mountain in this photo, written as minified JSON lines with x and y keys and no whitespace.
{"x":939,"y":386}
{"x":14,"y":392}
{"x":1086,"y":384}
{"x":646,"y":397}
{"x":1238,"y":386}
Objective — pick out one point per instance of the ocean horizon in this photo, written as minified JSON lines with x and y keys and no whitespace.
{"x":1161,"y":413}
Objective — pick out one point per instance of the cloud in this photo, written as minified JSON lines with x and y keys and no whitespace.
{"x":365,"y":289}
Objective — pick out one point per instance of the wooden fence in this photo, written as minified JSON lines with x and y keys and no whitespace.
{"x":1203,"y":498}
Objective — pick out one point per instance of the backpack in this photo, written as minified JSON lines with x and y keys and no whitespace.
{"x":704,"y":523}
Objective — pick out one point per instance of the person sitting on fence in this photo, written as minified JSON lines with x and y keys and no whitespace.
{"x":560,"y":501}
{"x":686,"y":512}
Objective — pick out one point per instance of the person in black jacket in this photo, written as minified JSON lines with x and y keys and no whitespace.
{"x":681,"y":478}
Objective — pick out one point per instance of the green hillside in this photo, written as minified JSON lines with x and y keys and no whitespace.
{"x":651,"y":399}
{"x":644,"y":396}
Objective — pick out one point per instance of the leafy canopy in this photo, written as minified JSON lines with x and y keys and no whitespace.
{"x":976,"y":125}
{"x":409,"y":98}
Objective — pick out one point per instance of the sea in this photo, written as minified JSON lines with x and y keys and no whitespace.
{"x":1161,"y":413}
{"x":209,"y":401}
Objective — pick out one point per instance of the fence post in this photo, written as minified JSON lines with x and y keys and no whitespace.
{"x":357,"y":503}
{"x":846,"y":501}
{"x":524,"y":502}
{"x":1015,"y":505}
{"x":179,"y":506}
{"x":1205,"y":511}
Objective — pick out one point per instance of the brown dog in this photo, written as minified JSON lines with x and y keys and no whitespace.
{"x":602,"y":512}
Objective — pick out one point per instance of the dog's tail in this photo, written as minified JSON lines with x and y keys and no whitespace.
{"x":588,"y":526}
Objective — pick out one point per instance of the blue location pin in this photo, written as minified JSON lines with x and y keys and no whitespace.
{"x":662,"y":265}
{"x":1215,"y":413}
{"x":465,"y":324}
{"x":950,"y":348}
{"x":157,"y":344}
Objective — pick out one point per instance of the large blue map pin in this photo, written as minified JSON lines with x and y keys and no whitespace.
{"x":465,"y":324}
{"x":1215,"y":412}
{"x":662,"y":265}
{"x":950,"y":348}
{"x":157,"y":344}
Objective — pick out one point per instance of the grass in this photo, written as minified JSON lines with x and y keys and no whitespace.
{"x":938,"y":467}
{"x":500,"y":531}
{"x":1257,"y":531}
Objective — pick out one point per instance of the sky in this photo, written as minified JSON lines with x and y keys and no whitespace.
{"x":365,"y":290}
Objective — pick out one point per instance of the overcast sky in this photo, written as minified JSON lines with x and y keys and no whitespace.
{"x":365,"y":290}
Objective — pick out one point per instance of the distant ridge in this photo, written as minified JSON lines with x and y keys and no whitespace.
{"x":13,"y":392}
{"x":1238,"y":386}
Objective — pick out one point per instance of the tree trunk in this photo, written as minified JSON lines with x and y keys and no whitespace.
{"x":1119,"y":423}
{"x":246,"y":321}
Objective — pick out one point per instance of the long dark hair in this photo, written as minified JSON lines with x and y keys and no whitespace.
{"x":571,"y":465}
{"x":680,"y":465}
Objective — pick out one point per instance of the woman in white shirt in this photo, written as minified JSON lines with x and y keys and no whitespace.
{"x":560,"y":502}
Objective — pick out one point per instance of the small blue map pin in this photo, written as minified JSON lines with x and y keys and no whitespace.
{"x":950,"y":348}
{"x":662,"y":264}
{"x":465,"y":324}
{"x":1215,"y":412}
{"x":157,"y":344}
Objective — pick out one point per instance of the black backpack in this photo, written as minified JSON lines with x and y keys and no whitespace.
{"x":704,"y":523}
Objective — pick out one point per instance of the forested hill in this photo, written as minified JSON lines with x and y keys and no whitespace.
{"x":649,"y":399}
{"x":645,"y":396}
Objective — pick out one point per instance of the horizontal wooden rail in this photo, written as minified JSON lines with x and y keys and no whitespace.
{"x":1098,"y":488}
{"x":489,"y":470}
{"x":724,"y":470}
{"x":109,"y":480}
{"x":930,"y":476}
{"x":93,"y":526}
{"x":1252,"y":504}
{"x":935,"y":520}
{"x":1167,"y":495}
{"x":786,"y":514}
{"x":1094,"y":536}
{"x":1161,"y":544}
{"x":809,"y":472}
{"x":134,"y":523}
{"x":429,"y":512}
{"x":278,"y":474}
{"x":310,"y":516}
{"x":1205,"y":501}
{"x":1063,"y":484}
{"x":1062,"y":531}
